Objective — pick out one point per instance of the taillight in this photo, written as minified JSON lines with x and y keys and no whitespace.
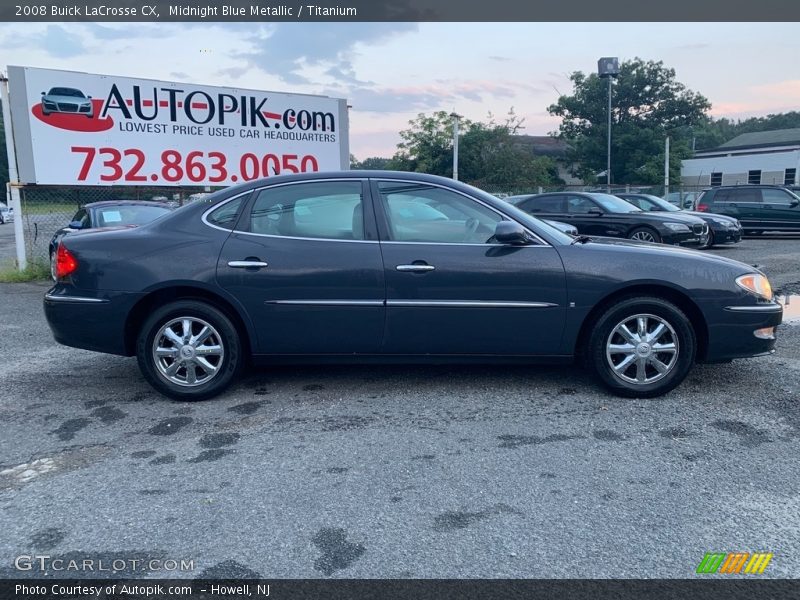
{"x":66,"y":263}
{"x":702,"y":207}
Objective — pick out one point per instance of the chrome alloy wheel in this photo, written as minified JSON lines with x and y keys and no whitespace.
{"x":643,"y":236}
{"x":642,"y":349}
{"x":187,"y":351}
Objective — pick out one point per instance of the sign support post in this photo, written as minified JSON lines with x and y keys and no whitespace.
{"x":13,"y":177}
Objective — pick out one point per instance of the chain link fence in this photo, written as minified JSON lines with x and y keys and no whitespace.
{"x":684,"y":196}
{"x":46,"y":209}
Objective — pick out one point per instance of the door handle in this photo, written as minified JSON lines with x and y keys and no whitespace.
{"x":246,"y":264}
{"x":415,"y":268}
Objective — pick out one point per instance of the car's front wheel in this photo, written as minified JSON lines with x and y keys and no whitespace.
{"x":642,"y":347}
{"x":189,"y":350}
{"x":709,"y":242}
{"x":645,"y":234}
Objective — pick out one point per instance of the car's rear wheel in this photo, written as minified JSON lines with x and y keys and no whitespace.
{"x":642,"y":347}
{"x":189,"y":350}
{"x":645,"y":234}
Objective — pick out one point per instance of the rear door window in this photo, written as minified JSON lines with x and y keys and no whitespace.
{"x":544,"y":204}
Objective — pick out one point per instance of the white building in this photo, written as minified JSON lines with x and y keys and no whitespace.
{"x":771,"y":157}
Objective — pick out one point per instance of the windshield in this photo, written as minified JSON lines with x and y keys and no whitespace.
{"x":128,"y":215}
{"x":66,"y":92}
{"x":613,"y":204}
{"x":661,"y":203}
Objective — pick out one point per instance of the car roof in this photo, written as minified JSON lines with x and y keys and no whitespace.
{"x":103,"y":203}
{"x":748,"y":185}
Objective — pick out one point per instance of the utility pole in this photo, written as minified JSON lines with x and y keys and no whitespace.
{"x":666,"y":170}
{"x":608,"y":68}
{"x":455,"y":116}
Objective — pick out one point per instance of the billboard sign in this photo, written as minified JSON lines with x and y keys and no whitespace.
{"x":83,"y":129}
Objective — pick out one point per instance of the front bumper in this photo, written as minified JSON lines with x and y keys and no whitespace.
{"x":89,"y":322}
{"x":732,"y":333}
{"x":687,"y":239}
{"x":723,"y":235}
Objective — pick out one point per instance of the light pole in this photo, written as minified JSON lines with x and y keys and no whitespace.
{"x":455,"y":116}
{"x":608,"y":68}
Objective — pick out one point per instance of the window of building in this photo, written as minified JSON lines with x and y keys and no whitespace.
{"x":754,"y":177}
{"x":789,"y":177}
{"x":716,"y":179}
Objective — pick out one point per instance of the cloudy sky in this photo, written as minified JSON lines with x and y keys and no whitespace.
{"x":390,"y":72}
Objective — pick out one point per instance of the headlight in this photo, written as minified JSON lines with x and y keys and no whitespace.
{"x":677,"y":227}
{"x":755,"y":284}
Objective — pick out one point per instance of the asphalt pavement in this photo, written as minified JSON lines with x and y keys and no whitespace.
{"x":401,"y":471}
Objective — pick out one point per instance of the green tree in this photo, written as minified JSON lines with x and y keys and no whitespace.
{"x":427,"y":145}
{"x":488,"y":154}
{"x":648,"y":104}
{"x":373,"y":163}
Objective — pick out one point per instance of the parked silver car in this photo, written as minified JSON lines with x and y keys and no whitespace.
{"x":6,"y":214}
{"x":66,"y":100}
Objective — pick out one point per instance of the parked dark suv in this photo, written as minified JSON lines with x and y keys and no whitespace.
{"x":758,"y":208}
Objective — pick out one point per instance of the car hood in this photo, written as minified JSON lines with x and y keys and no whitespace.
{"x":667,"y":217}
{"x":663,"y":252}
{"x":695,"y":213}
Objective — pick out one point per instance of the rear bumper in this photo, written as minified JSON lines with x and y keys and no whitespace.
{"x":88,"y":322}
{"x":732,"y":334}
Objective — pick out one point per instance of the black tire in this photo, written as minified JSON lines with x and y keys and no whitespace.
{"x":710,"y":242}
{"x":604,"y":339}
{"x":644,"y":232}
{"x":224,"y":336}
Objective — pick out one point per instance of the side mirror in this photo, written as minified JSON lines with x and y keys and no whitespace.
{"x":75,"y":225}
{"x":510,"y":232}
{"x":43,"y":93}
{"x":794,"y":203}
{"x":88,"y":97}
{"x":596,"y":212}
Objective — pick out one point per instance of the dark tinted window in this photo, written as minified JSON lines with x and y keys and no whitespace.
{"x":428,"y":214}
{"x":83,"y":217}
{"x":327,"y":210}
{"x":744,"y":195}
{"x":544,"y":204}
{"x":66,"y":92}
{"x":580,"y":205}
{"x":776,"y":196}
{"x":225,"y":215}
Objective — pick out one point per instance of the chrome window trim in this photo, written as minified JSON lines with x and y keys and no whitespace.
{"x":541,"y":242}
{"x":75,"y":299}
{"x":204,"y":217}
{"x":474,"y":199}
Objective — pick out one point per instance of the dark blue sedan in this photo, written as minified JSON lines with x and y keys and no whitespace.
{"x":389,"y":266}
